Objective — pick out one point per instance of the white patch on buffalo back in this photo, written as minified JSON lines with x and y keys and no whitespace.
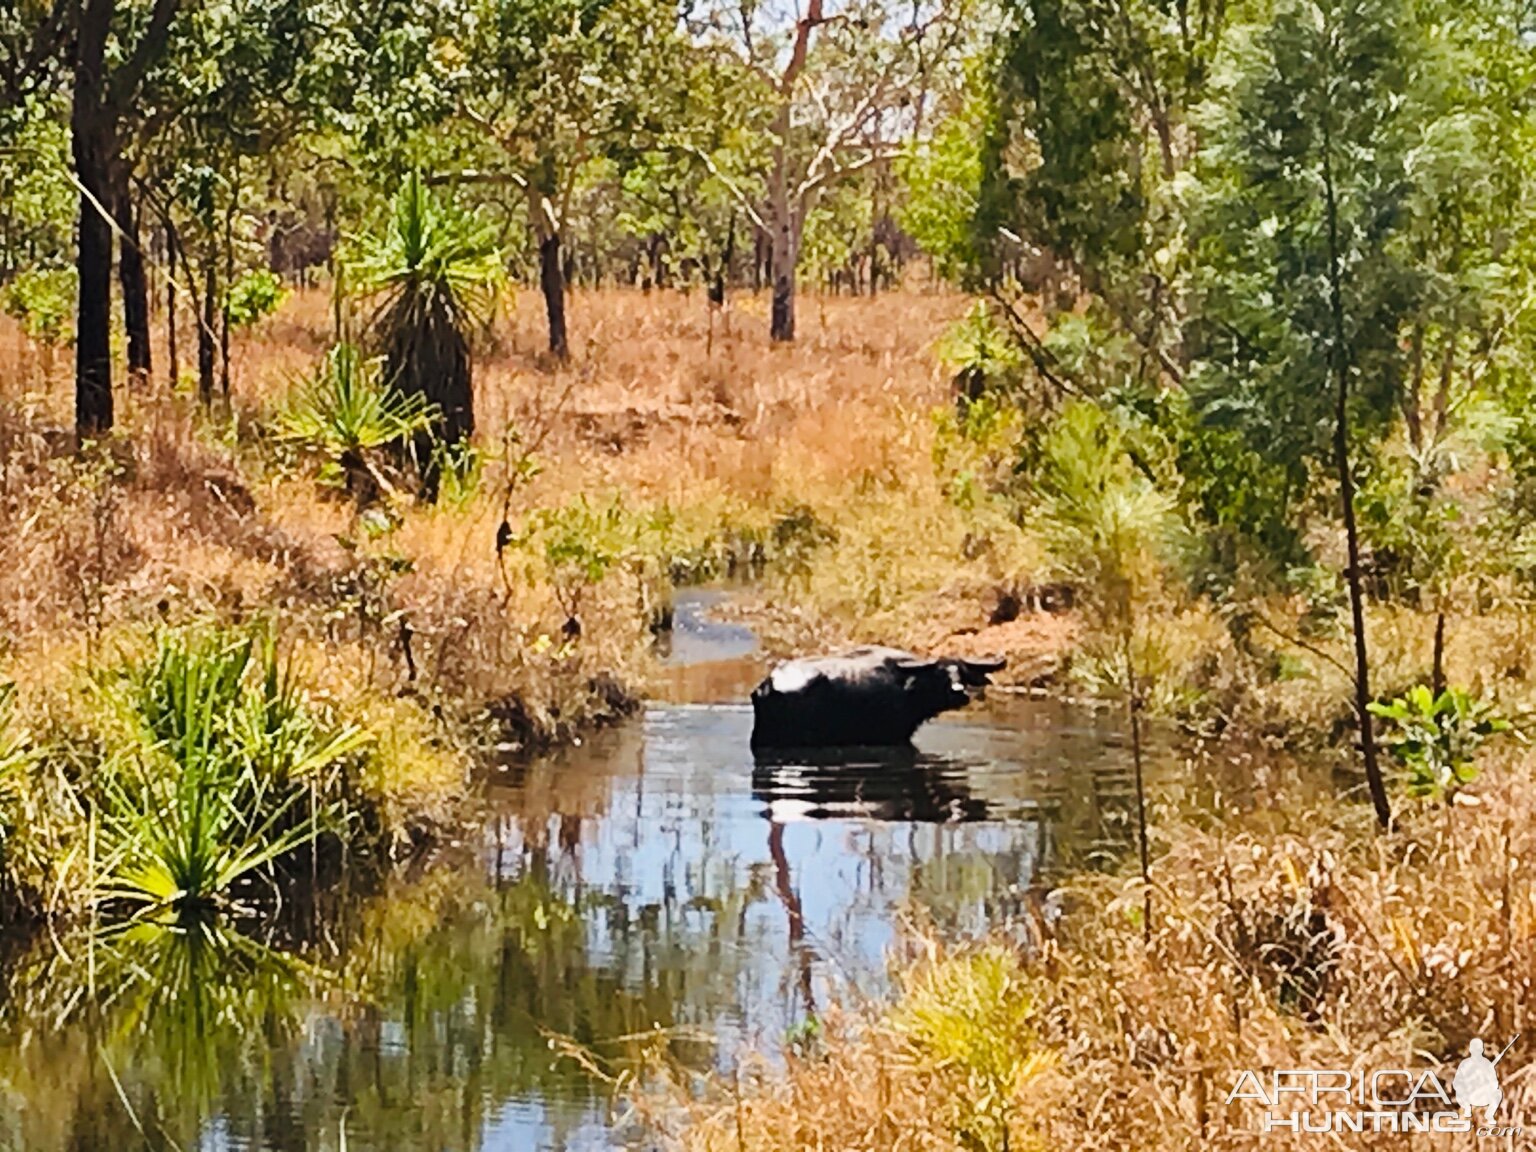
{"x":792,"y":677}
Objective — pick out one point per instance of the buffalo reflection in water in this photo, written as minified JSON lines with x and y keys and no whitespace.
{"x":887,"y":784}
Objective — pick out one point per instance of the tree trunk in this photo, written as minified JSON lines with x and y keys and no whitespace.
{"x":1341,"y":369}
{"x":172,"y":250}
{"x":552,"y":283}
{"x":1437,"y":669}
{"x":229,"y":280}
{"x":782,"y":323}
{"x":1373,"y":775}
{"x":205,"y":331}
{"x":723,"y":272}
{"x":132,"y":279}
{"x":786,"y":242}
{"x":93,"y":325}
{"x":93,"y":146}
{"x":1133,"y":704}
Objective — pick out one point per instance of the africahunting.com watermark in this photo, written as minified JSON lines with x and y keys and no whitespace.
{"x":1334,"y":1100}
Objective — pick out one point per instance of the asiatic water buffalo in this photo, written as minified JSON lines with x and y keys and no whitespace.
{"x":869,"y":697}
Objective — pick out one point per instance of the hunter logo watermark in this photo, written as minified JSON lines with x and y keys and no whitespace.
{"x":1297,"y":1100}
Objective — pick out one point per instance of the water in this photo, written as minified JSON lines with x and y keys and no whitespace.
{"x":655,"y":880}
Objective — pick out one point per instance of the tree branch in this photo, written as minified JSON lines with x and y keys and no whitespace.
{"x":1044,"y":360}
{"x":125,"y":82}
{"x":730,"y":185}
{"x":877,"y":151}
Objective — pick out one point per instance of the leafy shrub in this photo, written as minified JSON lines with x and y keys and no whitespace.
{"x":976,"y":451}
{"x":982,"y":354}
{"x":254,"y":297}
{"x":970,"y":1018}
{"x":1435,"y":738}
{"x":578,"y":544}
{"x":460,"y":467}
{"x":43,"y":300}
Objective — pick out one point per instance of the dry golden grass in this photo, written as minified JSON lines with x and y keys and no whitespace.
{"x":667,"y":412}
{"x":1285,"y":934}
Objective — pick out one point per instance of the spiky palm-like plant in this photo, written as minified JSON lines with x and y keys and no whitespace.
{"x":348,"y":413}
{"x":230,"y":771}
{"x":436,"y":271}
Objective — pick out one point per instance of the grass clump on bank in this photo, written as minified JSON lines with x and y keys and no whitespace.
{"x":201,"y":769}
{"x":227,"y":772}
{"x":955,"y":1062}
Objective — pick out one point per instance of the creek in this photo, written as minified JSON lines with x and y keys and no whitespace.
{"x":653,"y":878}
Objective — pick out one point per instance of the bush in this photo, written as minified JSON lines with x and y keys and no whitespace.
{"x":982,"y":354}
{"x":967,"y":1020}
{"x":1435,"y":738}
{"x":254,"y":297}
{"x":228,"y":770}
{"x":43,"y":300}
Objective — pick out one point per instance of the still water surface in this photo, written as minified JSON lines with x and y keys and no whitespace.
{"x":654,"y":878}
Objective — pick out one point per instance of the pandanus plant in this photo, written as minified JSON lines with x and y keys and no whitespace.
{"x":229,"y":771}
{"x":349,"y":414}
{"x":435,"y":271}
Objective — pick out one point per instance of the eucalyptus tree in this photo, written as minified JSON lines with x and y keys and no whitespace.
{"x":555,"y":85}
{"x":830,"y":92}
{"x":114,"y":47}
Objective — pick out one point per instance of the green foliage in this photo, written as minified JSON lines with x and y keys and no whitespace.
{"x":346,"y":413}
{"x":982,"y":354}
{"x":230,"y":770}
{"x":1414,"y":530}
{"x":976,"y":449}
{"x":460,"y":468}
{"x":37,"y":200}
{"x":1108,"y":524}
{"x":1436,"y":738}
{"x":1312,"y":102}
{"x":971,"y":1018}
{"x":17,"y":758}
{"x":43,"y":300}
{"x":578,"y":544}
{"x":255,"y":296}
{"x":942,"y":177}
{"x":16,"y":752}
{"x":1062,"y":157}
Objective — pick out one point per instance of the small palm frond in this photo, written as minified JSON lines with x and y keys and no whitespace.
{"x":346,"y":407}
